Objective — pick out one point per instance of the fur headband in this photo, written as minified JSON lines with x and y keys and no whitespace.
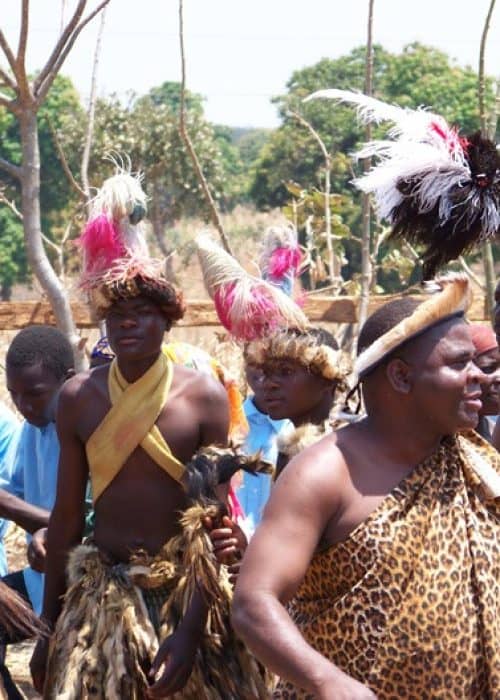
{"x":452,"y":298}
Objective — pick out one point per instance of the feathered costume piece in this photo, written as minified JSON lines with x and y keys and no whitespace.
{"x":247,"y":306}
{"x":449,"y":296}
{"x":17,"y":619}
{"x":117,"y":264}
{"x":437,"y":189}
{"x":281,"y":257}
{"x":107,"y":636}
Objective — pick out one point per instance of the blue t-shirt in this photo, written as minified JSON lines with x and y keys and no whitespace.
{"x":9,"y":428}
{"x":263,"y":435}
{"x":34,"y":479}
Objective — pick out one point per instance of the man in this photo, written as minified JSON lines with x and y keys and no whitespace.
{"x":487,"y":358}
{"x":387,"y":530}
{"x":38,"y":361}
{"x":131,"y":426}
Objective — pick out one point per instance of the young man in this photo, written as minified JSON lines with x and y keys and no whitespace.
{"x":131,"y":426}
{"x":38,"y":362}
{"x":301,"y":372}
{"x":388,"y":531}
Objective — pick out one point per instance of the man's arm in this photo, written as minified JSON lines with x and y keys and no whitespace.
{"x":303,"y":501}
{"x":67,"y":519}
{"x":30,"y":518}
{"x":214,"y":413}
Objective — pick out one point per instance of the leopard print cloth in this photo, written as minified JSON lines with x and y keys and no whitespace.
{"x":409,"y":603}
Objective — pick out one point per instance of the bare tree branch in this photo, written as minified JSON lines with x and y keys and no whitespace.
{"x":57,"y":65}
{"x":7,"y":80}
{"x":9,"y":54}
{"x":185,"y":137}
{"x":14,"y":170}
{"x":23,"y":34}
{"x":7,"y":102}
{"x":67,"y":170}
{"x":470,"y":273}
{"x":482,"y":80}
{"x":84,"y":169}
{"x":65,"y":35}
{"x":334,"y":263}
{"x":11,"y":204}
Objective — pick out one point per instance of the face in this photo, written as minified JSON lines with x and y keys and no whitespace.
{"x":446,"y":384}
{"x":489,"y":364}
{"x":289,"y":390}
{"x":34,"y":391}
{"x":135,"y":328}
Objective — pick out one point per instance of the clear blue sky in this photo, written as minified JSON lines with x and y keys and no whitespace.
{"x":241,"y":53}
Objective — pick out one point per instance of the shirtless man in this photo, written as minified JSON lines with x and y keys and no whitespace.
{"x":378,"y":566}
{"x":139,"y":509}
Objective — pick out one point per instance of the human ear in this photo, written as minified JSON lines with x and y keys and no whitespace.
{"x":399,"y":374}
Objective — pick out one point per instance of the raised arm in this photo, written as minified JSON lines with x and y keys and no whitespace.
{"x":67,"y":520}
{"x":303,"y":501}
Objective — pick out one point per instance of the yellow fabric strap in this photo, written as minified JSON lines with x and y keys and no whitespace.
{"x":131,"y":422}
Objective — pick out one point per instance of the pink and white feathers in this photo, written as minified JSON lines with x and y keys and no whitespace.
{"x":281,"y":257}
{"x":113,"y":236}
{"x":436,"y":188}
{"x":247,"y":306}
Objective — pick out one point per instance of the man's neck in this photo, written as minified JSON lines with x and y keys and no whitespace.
{"x":132,"y":370}
{"x":317,"y":415}
{"x":400,"y":441}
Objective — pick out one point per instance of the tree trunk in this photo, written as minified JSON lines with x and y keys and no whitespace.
{"x":30,"y":206}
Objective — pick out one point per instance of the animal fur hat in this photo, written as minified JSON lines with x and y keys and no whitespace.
{"x":449,"y":296}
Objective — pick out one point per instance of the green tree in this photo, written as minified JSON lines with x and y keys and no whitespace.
{"x":13,"y":262}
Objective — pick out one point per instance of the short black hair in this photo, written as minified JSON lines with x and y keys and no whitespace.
{"x":384,"y":319}
{"x":41,"y":345}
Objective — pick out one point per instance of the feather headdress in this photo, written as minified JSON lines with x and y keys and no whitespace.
{"x":116,"y":261}
{"x":248,"y":306}
{"x":281,"y":257}
{"x":437,"y":188}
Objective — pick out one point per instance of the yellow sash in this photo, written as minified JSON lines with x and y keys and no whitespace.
{"x":131,"y":422}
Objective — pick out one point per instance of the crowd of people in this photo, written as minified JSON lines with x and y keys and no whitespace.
{"x":185,"y":543}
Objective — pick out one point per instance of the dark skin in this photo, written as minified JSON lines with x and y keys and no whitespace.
{"x":282,"y":389}
{"x":34,"y":391}
{"x":429,"y":391}
{"x":195,"y":414}
{"x":489,"y":364}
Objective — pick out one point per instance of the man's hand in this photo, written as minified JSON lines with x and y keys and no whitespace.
{"x":38,"y":664}
{"x":176,"y":654}
{"x":343,"y":687}
{"x":37,"y":550}
{"x":229,"y":541}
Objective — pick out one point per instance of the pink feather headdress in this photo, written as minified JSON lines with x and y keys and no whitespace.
{"x":281,"y":257}
{"x":436,"y":188}
{"x":248,"y":307}
{"x":113,"y":238}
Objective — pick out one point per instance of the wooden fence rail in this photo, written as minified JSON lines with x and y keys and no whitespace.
{"x":319,"y":309}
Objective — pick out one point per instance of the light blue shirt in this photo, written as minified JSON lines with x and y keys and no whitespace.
{"x":9,"y":428}
{"x":263,"y":435}
{"x":34,"y":479}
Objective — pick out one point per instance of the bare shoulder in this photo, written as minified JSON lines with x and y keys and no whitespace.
{"x":80,"y":389}
{"x":198,"y":385}
{"x":317,"y":473}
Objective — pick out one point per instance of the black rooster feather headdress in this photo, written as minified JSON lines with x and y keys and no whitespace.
{"x":437,"y":188}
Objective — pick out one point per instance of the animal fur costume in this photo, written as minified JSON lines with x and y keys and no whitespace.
{"x":105,"y":639}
